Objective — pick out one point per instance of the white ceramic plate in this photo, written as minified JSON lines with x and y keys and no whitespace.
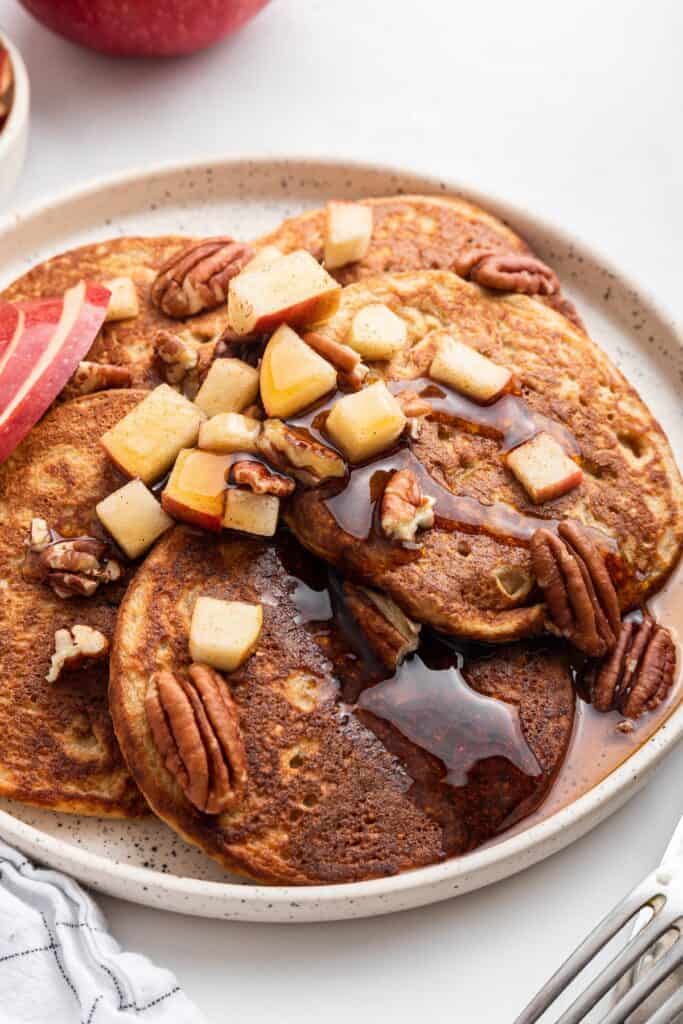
{"x":14,"y":135}
{"x":146,"y":862}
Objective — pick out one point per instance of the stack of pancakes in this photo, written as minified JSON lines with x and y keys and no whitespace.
{"x":341,"y":785}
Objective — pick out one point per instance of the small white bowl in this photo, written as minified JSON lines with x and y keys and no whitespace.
{"x":14,"y":135}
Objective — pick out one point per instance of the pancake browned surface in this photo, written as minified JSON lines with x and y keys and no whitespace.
{"x":326,"y":801}
{"x":631,"y":490}
{"x":57,"y":746}
{"x":128,"y":343}
{"x":413,"y":233}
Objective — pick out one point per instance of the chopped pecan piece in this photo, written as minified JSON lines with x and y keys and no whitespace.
{"x":413,"y":404}
{"x":639,"y":672}
{"x":354,"y":380}
{"x":197,"y":278}
{"x":175,"y":357}
{"x":40,"y":535}
{"x":579,"y":592}
{"x":508,"y":272}
{"x":91,"y":377}
{"x":195,"y":727}
{"x":75,"y":648}
{"x":299,"y":453}
{"x":405,"y":510}
{"x":343,"y":357}
{"x":260,"y":479}
{"x":388,"y":630}
{"x":73,"y":568}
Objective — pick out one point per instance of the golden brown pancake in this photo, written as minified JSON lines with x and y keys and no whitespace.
{"x":128,"y":343}
{"x":57,"y":745}
{"x":631,"y":491}
{"x":414,"y":233}
{"x":327,"y":801}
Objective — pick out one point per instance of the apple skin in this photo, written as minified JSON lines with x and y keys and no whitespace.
{"x":146,"y":28}
{"x":39,"y":359}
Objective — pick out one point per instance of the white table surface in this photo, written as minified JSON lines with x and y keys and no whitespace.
{"x":572,"y":109}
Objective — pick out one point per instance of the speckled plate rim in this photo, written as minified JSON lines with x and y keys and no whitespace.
{"x":425,"y":885}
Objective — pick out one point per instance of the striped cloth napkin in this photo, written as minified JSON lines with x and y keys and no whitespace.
{"x":60,"y":965}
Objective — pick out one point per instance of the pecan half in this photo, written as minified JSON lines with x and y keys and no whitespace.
{"x":388,"y":630}
{"x":343,"y":357}
{"x":298,"y":453}
{"x":405,"y":510}
{"x":508,"y":272}
{"x":195,"y":727}
{"x":175,"y":357}
{"x":260,"y":479}
{"x":91,"y":377}
{"x":197,"y":278}
{"x":579,"y":592}
{"x":73,"y":568}
{"x":76,"y":647}
{"x":639,"y":672}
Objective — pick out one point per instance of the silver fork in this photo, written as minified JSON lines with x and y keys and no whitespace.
{"x":661,"y":896}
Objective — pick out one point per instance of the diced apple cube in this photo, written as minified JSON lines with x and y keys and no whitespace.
{"x":294,"y":289}
{"x":230,"y":432}
{"x":544,"y":469}
{"x":377,"y":332}
{"x":463,"y":368}
{"x":133,"y":517}
{"x":224,"y":633}
{"x":196,"y":488}
{"x":123,"y":303}
{"x":263,"y":258}
{"x":230,"y":386}
{"x":293,"y":376}
{"x":146,"y":441}
{"x":347,"y":233}
{"x":365,"y":423}
{"x":251,"y":513}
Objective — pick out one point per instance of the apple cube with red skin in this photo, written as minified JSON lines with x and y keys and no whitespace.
{"x":544,"y":469}
{"x":348,"y":231}
{"x":465,"y":370}
{"x":133,"y":517}
{"x":196,"y":488}
{"x":147,"y":440}
{"x":42,"y":342}
{"x":294,"y":289}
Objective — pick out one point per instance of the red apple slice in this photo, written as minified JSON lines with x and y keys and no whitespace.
{"x":38,"y":361}
{"x":11,"y":324}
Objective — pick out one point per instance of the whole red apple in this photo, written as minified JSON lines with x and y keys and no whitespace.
{"x":145,"y":28}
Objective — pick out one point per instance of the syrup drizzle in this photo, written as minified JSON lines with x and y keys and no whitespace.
{"x":443,"y":730}
{"x":353,"y":501}
{"x":437,"y":710}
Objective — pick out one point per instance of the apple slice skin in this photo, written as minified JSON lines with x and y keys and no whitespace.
{"x":306,"y":313}
{"x":29,"y":381}
{"x":10,"y":318}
